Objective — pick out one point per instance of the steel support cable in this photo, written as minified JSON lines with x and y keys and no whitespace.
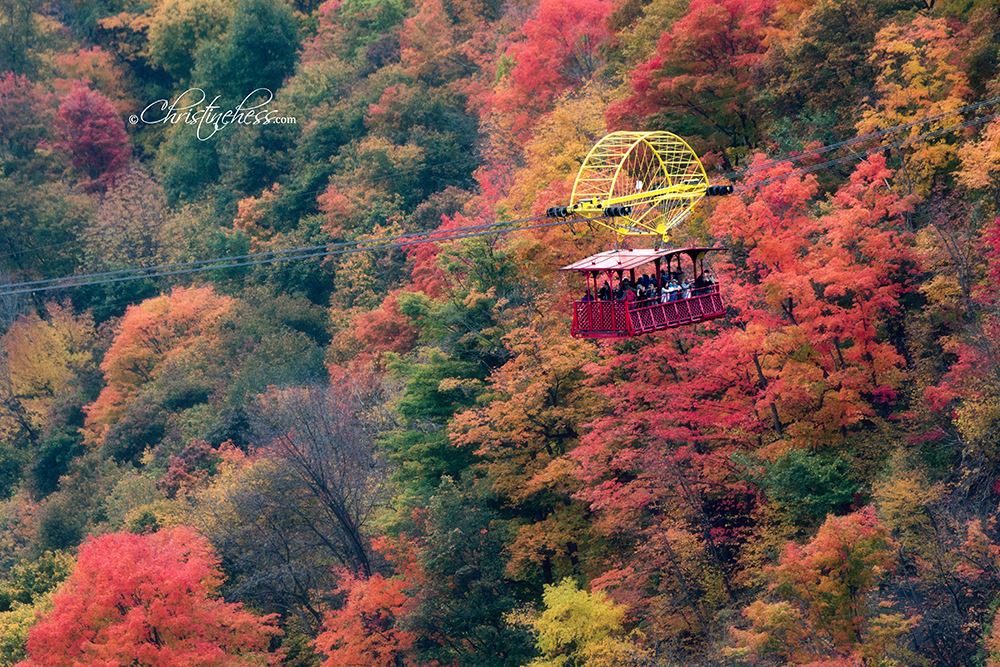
{"x":227,"y":263}
{"x":142,"y":271}
{"x":879,"y":147}
{"x":413,"y":238}
{"x":862,"y":138}
{"x":731,"y":174}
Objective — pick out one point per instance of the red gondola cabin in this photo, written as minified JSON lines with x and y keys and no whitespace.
{"x":672,"y":298}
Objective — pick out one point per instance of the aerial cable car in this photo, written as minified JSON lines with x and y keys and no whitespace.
{"x":641,"y":184}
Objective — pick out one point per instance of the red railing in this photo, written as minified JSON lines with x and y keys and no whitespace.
{"x":600,"y":319}
{"x":618,"y":319}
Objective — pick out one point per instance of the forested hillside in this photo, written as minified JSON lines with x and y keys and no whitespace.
{"x":398,"y":455}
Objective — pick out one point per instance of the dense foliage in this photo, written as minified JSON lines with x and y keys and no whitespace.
{"x":399,"y":456}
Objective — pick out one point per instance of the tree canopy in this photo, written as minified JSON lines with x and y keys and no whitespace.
{"x":389,"y":453}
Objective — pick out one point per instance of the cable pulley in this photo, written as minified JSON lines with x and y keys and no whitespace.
{"x":617,"y":211}
{"x":718,"y":190}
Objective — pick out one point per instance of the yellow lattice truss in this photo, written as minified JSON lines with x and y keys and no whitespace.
{"x":656,"y":175}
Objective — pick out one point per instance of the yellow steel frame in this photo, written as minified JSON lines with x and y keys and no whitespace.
{"x":657,"y":174}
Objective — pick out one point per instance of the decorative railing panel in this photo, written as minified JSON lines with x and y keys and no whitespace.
{"x":617,"y":319}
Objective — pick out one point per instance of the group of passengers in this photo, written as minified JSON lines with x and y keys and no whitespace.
{"x":672,"y":287}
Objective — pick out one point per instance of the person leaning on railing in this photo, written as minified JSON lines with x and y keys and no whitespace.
{"x":673,"y":290}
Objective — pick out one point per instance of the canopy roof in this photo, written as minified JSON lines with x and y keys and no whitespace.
{"x":624,"y":259}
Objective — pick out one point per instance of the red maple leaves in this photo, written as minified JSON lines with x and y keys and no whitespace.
{"x":148,"y":599}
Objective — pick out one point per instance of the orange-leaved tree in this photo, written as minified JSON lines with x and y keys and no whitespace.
{"x":365,"y":631}
{"x":815,"y":294}
{"x":805,"y":360}
{"x":530,"y":420}
{"x":826,"y":609}
{"x":150,"y":334}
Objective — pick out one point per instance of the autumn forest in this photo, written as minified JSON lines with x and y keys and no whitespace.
{"x":397,"y":455}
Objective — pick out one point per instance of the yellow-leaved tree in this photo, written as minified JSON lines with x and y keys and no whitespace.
{"x":26,"y":592}
{"x":920,"y":75}
{"x":980,"y":168}
{"x":43,"y":359}
{"x":578,"y":628}
{"x":177,"y":27}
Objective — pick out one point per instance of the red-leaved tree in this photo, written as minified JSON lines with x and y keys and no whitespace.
{"x":151,"y":600}
{"x":560,"y":49}
{"x":703,"y":70}
{"x":805,"y":360}
{"x":94,"y":135}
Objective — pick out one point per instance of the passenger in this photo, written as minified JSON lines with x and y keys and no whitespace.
{"x":604,"y":294}
{"x":645,"y":281}
{"x":673,"y":291}
{"x":664,"y":294}
{"x":685,"y":290}
{"x":587,"y":296}
{"x":629,"y":296}
{"x":700,"y":281}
